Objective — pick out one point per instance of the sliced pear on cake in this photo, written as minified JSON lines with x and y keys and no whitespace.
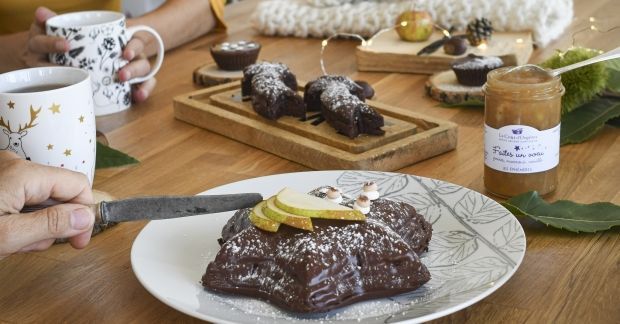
{"x":276,"y":214}
{"x":302,"y":204}
{"x":258,"y":218}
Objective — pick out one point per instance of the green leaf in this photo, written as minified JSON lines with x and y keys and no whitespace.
{"x":613,"y":81}
{"x":564,"y":214}
{"x":108,"y":157}
{"x":581,"y":124}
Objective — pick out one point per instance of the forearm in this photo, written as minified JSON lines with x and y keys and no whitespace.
{"x":10,"y":47}
{"x":177,"y":22}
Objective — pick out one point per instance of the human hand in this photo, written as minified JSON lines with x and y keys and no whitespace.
{"x":138,"y":66}
{"x":40,"y":45}
{"x":25,"y":183}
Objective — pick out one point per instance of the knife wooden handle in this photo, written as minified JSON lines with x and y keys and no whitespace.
{"x":99,"y":196}
{"x":95,"y":208}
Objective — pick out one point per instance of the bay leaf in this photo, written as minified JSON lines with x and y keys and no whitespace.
{"x":565,"y":214}
{"x":108,"y":157}
{"x":581,"y":124}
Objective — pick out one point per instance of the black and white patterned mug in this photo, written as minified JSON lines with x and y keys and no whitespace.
{"x":97,"y":40}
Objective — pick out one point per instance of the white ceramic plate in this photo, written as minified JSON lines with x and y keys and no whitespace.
{"x":477,"y":246}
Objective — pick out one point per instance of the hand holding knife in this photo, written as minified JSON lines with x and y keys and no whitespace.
{"x":162,"y":207}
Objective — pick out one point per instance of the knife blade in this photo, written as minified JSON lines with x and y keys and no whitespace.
{"x":163,"y":207}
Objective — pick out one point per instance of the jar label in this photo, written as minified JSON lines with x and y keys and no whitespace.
{"x":521,"y":148}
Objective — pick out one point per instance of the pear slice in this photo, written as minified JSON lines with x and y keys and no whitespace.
{"x":258,"y":218}
{"x":302,"y":204}
{"x":272,"y":211}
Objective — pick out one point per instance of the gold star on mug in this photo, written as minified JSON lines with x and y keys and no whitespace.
{"x":55,"y":109}
{"x":81,"y":119}
{"x":50,"y":147}
{"x":11,"y":104}
{"x":67,"y":152}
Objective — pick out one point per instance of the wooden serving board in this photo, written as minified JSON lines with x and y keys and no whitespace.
{"x":409,"y":137}
{"x":388,"y":53}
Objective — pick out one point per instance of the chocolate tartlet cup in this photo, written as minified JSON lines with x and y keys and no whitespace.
{"x":473,"y":74}
{"x":235,"y":60}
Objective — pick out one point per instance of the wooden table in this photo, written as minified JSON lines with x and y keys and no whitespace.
{"x":564,"y":277}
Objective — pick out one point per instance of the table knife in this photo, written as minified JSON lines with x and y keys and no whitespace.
{"x":162,"y":207}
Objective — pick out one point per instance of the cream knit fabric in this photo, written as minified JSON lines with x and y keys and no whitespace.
{"x":319,"y":18}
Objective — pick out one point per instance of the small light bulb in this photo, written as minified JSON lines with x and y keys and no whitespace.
{"x":403,"y":23}
{"x":592,"y":19}
{"x":592,"y":27}
{"x":519,"y":40}
{"x":482,"y":46}
{"x":324,"y":43}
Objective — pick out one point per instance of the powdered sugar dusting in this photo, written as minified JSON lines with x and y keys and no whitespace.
{"x":335,"y":265}
{"x":479,"y":62}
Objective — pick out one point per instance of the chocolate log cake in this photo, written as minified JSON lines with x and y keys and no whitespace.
{"x":272,"y":87}
{"x":341,"y":102}
{"x":339,"y":263}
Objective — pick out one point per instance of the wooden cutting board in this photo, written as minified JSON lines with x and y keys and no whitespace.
{"x":388,"y":53}
{"x":409,"y":137}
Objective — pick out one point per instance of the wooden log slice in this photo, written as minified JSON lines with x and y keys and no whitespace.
{"x":210,"y":75}
{"x":444,"y":87}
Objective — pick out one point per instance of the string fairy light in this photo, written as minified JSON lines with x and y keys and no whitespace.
{"x":325,"y":42}
{"x":592,"y":27}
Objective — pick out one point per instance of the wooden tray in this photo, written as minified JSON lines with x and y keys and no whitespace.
{"x":409,"y":137}
{"x":388,"y":53}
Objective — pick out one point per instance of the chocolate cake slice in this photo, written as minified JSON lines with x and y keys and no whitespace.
{"x":339,"y":263}
{"x":272,"y":87}
{"x":341,"y":102}
{"x":314,"y":89}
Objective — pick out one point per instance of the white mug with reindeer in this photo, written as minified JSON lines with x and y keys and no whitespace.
{"x":97,"y":40}
{"x":47,"y":116}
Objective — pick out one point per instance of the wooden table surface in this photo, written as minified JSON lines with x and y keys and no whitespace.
{"x":564,"y":277}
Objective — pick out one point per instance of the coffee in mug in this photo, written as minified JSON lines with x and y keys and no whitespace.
{"x":47,"y":116}
{"x":97,"y":40}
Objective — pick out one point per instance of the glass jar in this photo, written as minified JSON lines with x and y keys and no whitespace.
{"x":522,"y":131}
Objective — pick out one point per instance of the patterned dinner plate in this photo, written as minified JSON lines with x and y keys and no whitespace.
{"x":477,"y":246}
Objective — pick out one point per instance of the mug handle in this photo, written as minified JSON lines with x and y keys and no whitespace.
{"x":160,"y":51}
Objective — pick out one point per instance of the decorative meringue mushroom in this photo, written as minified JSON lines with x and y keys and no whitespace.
{"x":371,"y":190}
{"x":333,"y":195}
{"x":362,"y":203}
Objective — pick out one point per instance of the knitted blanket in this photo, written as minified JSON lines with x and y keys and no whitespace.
{"x":319,"y":18}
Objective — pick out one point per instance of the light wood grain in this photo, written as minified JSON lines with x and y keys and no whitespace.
{"x":388,"y":53}
{"x":564,"y":277}
{"x":409,"y":137}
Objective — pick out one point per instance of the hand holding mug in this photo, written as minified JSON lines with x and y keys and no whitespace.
{"x":41,"y":46}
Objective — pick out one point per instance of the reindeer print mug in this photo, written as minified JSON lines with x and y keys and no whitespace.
{"x":97,"y":40}
{"x":47,"y":116}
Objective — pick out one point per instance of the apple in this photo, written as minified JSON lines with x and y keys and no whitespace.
{"x":276,"y":214}
{"x":302,"y":204}
{"x":258,"y":218}
{"x":414,"y":26}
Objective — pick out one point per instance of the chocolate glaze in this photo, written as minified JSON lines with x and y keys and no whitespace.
{"x":340,"y":263}
{"x":341,"y":102}
{"x":273,"y":90}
